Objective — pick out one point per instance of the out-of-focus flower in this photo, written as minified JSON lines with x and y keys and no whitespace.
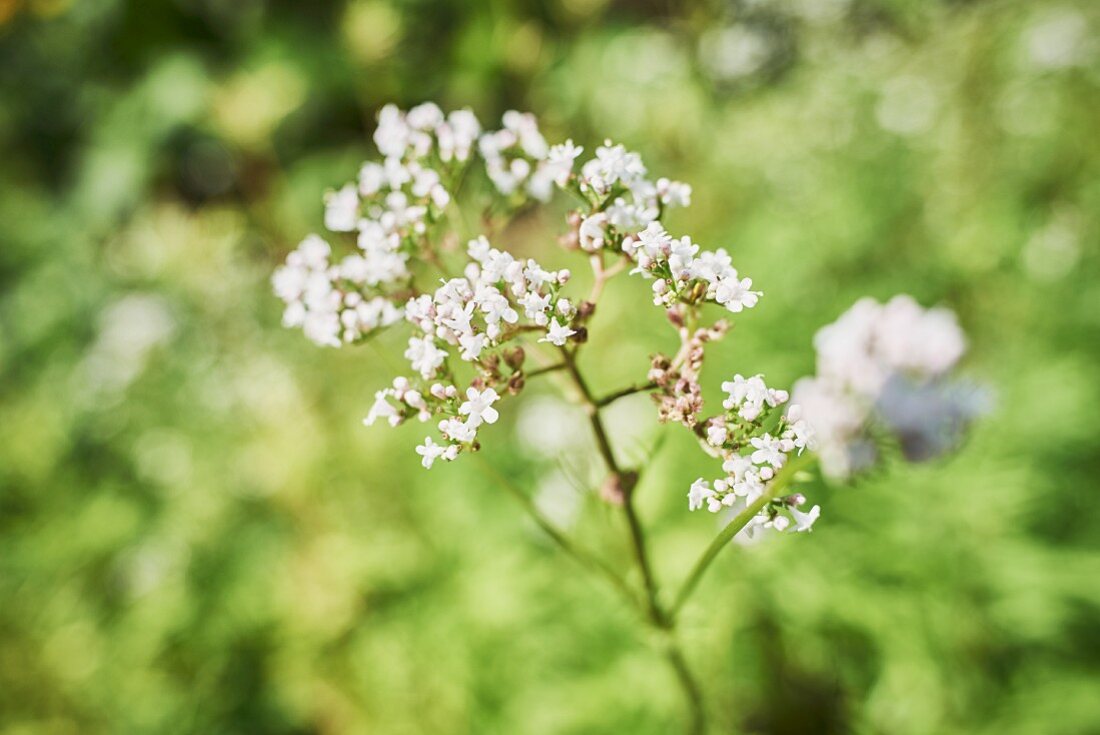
{"x":888,"y":365}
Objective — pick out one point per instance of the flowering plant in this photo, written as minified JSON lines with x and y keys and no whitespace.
{"x":480,"y":333}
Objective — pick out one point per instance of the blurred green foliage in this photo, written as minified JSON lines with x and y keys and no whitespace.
{"x":197,"y":536}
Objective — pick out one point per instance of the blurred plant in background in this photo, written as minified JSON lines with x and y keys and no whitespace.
{"x":196,"y":536}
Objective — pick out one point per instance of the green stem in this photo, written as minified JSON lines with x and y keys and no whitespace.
{"x":623,"y":393}
{"x":661,"y":621}
{"x":546,"y":369}
{"x":782,"y":480}
{"x":583,"y":557}
{"x":697,"y":718}
{"x":626,"y":482}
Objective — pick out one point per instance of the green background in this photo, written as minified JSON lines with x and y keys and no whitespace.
{"x":198,"y":536}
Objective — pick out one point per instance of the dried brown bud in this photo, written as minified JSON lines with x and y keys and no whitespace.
{"x":585,"y":309}
{"x":581,"y":336}
{"x":515,"y":357}
{"x":675,"y":317}
{"x":516,"y":383}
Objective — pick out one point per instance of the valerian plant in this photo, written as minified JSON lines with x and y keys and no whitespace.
{"x":510,"y":320}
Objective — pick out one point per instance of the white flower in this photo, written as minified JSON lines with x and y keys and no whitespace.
{"x":612,"y":164}
{"x":800,"y":433}
{"x":716,"y":435}
{"x":535,"y":307}
{"x":495,"y":306}
{"x":682,"y":257}
{"x":592,"y":232}
{"x":699,"y":492}
{"x":560,"y":160}
{"x":457,"y":135}
{"x":429,"y":452}
{"x":557,"y":334}
{"x":779,"y":523}
{"x":472,"y":345}
{"x":768,"y":450}
{"x":736,"y":294}
{"x":655,"y":241}
{"x":805,"y":521}
{"x":424,"y":356}
{"x":479,"y":406}
{"x":674,"y":193}
{"x":382,"y":409}
{"x":459,"y":431}
{"x":342,"y":209}
{"x":425,"y":116}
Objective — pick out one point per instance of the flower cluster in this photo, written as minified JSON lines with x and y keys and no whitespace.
{"x":518,"y":159}
{"x":622,"y":200}
{"x":471,"y":333}
{"x":627,"y":201}
{"x":327,"y":300}
{"x":684,"y":275}
{"x":886,"y":365}
{"x":390,"y":214}
{"x":753,"y":445}
{"x":389,"y":211}
{"x":472,"y":317}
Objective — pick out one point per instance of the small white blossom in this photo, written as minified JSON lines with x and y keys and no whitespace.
{"x":342,"y":209}
{"x":557,"y":333}
{"x":804,"y":521}
{"x":768,"y":450}
{"x":424,"y":356}
{"x":699,"y":493}
{"x":479,"y":406}
{"x":429,"y":452}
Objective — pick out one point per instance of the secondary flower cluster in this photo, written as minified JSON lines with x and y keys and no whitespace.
{"x":684,"y":275}
{"x":887,"y":365}
{"x":473,"y":317}
{"x":753,"y":445}
{"x":389,"y":210}
{"x":327,"y":300}
{"x":392,"y":212}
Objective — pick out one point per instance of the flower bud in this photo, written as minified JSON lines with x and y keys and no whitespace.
{"x":514,"y":358}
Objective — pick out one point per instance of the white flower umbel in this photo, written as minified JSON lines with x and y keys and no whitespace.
{"x":887,"y":365}
{"x":752,"y":454}
{"x":684,"y":275}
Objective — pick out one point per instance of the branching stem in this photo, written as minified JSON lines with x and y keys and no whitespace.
{"x":782,"y":479}
{"x":582,"y":556}
{"x":624,"y":392}
{"x":657,"y":616}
